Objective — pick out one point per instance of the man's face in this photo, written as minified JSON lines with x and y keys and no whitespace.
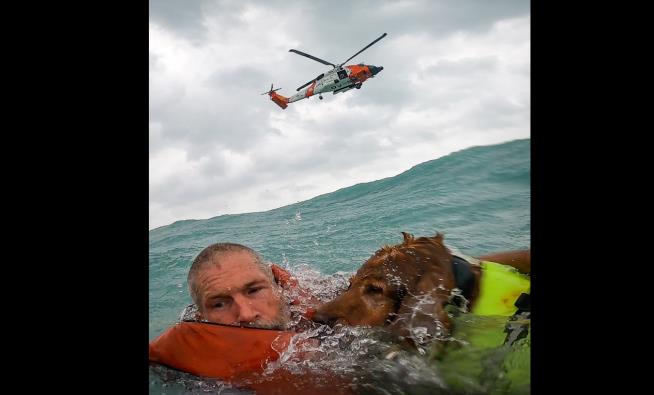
{"x":237,"y":292}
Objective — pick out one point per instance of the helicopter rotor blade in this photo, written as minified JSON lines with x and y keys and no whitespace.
{"x":311,"y":57}
{"x":366,"y":47}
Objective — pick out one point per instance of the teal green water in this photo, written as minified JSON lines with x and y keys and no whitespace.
{"x":478,"y":197}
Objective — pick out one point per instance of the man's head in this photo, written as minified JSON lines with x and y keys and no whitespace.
{"x":230,"y":284}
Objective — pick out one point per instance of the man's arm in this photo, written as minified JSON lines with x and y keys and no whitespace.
{"x":519,"y":259}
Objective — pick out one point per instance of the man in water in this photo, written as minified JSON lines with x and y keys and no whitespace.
{"x":230,"y":284}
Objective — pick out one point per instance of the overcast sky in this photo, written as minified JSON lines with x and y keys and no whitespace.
{"x":456,"y":74}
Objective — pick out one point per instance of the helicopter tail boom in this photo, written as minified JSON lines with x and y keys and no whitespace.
{"x":280,"y":100}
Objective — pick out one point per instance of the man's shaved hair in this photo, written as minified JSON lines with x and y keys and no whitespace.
{"x":212,"y":255}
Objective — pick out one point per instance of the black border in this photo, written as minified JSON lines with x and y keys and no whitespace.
{"x":80,"y":199}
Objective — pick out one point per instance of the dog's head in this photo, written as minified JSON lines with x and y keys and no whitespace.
{"x":404,"y":286}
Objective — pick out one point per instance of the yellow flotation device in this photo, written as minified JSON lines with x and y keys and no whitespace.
{"x":499,"y":288}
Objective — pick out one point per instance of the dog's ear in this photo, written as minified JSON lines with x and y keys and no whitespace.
{"x":408,"y":237}
{"x":438,"y":238}
{"x":422,"y":317}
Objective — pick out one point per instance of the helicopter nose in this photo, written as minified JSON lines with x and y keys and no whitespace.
{"x":374,"y":69}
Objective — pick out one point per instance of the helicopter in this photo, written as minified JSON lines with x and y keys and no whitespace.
{"x":339,"y":79}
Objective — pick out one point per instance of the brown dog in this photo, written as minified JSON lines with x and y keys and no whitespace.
{"x":405,"y":287}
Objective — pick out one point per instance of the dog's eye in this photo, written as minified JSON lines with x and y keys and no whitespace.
{"x":373,"y":289}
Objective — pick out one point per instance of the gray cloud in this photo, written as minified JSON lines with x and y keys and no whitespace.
{"x":436,"y":18}
{"x":184,"y":18}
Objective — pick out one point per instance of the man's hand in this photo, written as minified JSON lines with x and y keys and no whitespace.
{"x":519,"y":259}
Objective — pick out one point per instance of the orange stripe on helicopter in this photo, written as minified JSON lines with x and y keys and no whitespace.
{"x":311,"y":88}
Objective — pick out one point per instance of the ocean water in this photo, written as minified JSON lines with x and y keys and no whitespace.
{"x":479,"y":198}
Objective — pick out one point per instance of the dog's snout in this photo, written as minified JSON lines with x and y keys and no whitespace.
{"x":324,"y":318}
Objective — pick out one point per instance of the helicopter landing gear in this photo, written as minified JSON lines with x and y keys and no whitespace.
{"x":358,"y":86}
{"x":320,"y":97}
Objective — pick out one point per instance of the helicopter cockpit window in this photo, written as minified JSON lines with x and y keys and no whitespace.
{"x":342,"y":74}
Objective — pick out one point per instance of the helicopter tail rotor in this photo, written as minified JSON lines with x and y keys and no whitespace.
{"x":280,"y":100}
{"x":271,"y":90}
